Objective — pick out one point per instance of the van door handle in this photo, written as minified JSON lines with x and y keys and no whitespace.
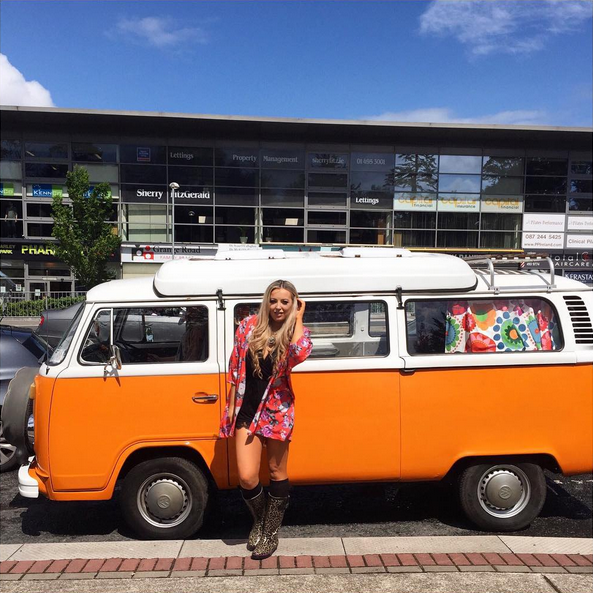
{"x":407,"y":371}
{"x":204,"y":398}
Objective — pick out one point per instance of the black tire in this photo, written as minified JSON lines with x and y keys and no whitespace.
{"x":173,"y":487}
{"x":8,"y":460}
{"x":502,"y":496}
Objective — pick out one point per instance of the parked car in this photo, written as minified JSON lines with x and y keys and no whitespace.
{"x":54,"y":323}
{"x":19,"y":347}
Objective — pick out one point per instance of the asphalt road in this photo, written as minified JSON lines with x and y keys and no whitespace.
{"x":355,"y":510}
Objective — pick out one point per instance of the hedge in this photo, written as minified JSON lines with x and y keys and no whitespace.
{"x":35,"y":307}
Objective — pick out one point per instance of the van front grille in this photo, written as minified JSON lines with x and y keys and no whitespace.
{"x":581,"y":320}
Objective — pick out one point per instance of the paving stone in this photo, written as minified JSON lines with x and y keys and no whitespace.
{"x":360,"y":569}
{"x":459,"y":559}
{"x":164,"y":564}
{"x":111,"y":565}
{"x":589,"y":558}
{"x":546,"y":559}
{"x":40,"y":566}
{"x":129,"y":565}
{"x":146,"y":564}
{"x":515,"y":568}
{"x":580,"y":569}
{"x":424,"y":559}
{"x":234,"y":563}
{"x":188,"y":573}
{"x":10,"y":577}
{"x":22,"y":566}
{"x":6,"y":565}
{"x":151,"y":574}
{"x":287,"y":561}
{"x":563,"y":560}
{"x":390,"y":560}
{"x":199,"y":563}
{"x":355,"y":560}
{"x":296,"y":571}
{"x":304,"y":562}
{"x":77,"y":576}
{"x":45,"y":576}
{"x":76,"y":565}
{"x":93,"y":565}
{"x":251,"y":564}
{"x":225,"y":573}
{"x":477,"y":559}
{"x":115,"y":574}
{"x":442,"y":560}
{"x":373,"y":560}
{"x":261,"y":572}
{"x":441,"y":568}
{"x":57,"y":566}
{"x":338,"y":562}
{"x":321,"y":562}
{"x":7,"y":552}
{"x":493,"y":558}
{"x":545,"y":569}
{"x":326,"y":570}
{"x":415,"y":568}
{"x":216,"y":564}
{"x":576,"y":558}
{"x":407,"y":559}
{"x":482,"y":568}
{"x":271,"y":562}
{"x":512,"y":559}
{"x":182,"y":564}
{"x":529,"y":559}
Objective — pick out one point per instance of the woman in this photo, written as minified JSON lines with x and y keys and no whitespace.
{"x":260,"y":405}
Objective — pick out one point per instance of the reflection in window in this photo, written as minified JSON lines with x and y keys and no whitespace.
{"x":502,"y":185}
{"x":283,"y":234}
{"x":449,"y":163}
{"x":481,"y":326}
{"x":325,"y":236}
{"x":94,"y":153}
{"x":500,"y":240}
{"x":501,"y":222}
{"x":143,"y":174}
{"x":149,"y":233}
{"x":580,"y":204}
{"x":371,"y":181}
{"x":455,"y":239}
{"x":581,"y":168}
{"x":191,"y":175}
{"x":363,"y":218}
{"x":46,"y":150}
{"x":185,"y":233}
{"x":545,"y":203}
{"x":236,"y":196}
{"x":546,"y":166}
{"x":581,"y":186}
{"x":459,"y":183}
{"x":416,"y":238}
{"x":240,"y":216}
{"x":288,"y":179}
{"x":545,"y":185}
{"x":46,"y":170}
{"x":414,"y":183}
{"x":334,"y":217}
{"x":337,"y":200}
{"x":411,"y":220}
{"x":328,"y":180}
{"x":236,"y":177}
{"x":410,"y":164}
{"x":458,"y":220}
{"x":503,"y":166}
{"x":97,"y":342}
{"x":10,"y":150}
{"x":283,"y":217}
{"x":194,"y":214}
{"x":369,"y":237}
{"x":235,"y":234}
{"x":282,"y":197}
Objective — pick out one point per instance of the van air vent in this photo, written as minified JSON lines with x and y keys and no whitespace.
{"x":581,"y":320}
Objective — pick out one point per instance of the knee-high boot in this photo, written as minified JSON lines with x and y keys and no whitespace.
{"x":269,"y":540}
{"x":257,"y":507}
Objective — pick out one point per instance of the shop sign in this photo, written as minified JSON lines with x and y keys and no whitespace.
{"x":87,"y":194}
{"x":328,"y":160}
{"x":544,"y":222}
{"x":26,"y":250}
{"x":508,"y":204}
{"x":543,"y":240}
{"x":154,"y":194}
{"x":7,"y":189}
{"x":143,"y":154}
{"x":183,"y":155}
{"x":142,"y":253}
{"x":580,"y":223}
{"x":578,"y":259}
{"x":459,"y":203}
{"x":586,"y":277}
{"x":237,"y":157}
{"x":46,"y":190}
{"x":371,"y":201}
{"x":579,"y":241}
{"x":415,"y":202}
{"x":282,"y":159}
{"x":371,"y":161}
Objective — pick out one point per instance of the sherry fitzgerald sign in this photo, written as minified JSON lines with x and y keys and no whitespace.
{"x":153,"y":194}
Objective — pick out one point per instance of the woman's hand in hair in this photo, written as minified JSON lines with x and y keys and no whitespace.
{"x":298,"y":324}
{"x":300,"y":309}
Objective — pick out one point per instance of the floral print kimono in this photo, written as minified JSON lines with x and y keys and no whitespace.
{"x":274,"y":418}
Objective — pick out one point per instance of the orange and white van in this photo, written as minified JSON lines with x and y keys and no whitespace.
{"x":423,"y":368}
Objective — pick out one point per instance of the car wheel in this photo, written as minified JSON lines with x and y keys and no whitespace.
{"x":164,"y":498}
{"x":8,"y":460}
{"x":502,"y":496}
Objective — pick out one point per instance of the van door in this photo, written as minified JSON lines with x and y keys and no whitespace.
{"x":167,"y":391}
{"x":347,"y":420}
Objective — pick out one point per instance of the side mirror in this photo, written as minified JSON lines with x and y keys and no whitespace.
{"x":115,"y":357}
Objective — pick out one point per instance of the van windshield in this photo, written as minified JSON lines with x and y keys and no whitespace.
{"x":62,"y":348}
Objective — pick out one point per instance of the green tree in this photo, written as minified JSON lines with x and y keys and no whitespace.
{"x":86,"y":241}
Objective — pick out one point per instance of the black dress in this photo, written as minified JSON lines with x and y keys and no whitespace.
{"x":254,"y":388}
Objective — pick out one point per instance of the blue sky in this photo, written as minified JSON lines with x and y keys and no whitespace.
{"x":501,"y":61}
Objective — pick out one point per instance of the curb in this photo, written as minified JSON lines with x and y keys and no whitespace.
{"x":137,"y":568}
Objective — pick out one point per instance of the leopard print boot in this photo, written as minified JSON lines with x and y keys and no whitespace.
{"x":257,"y":507}
{"x":274,"y":514}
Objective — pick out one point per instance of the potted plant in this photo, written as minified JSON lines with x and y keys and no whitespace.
{"x":242,"y":234}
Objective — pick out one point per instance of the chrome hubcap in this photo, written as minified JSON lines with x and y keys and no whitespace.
{"x":164,"y":500}
{"x":504,"y":491}
{"x":7,"y":450}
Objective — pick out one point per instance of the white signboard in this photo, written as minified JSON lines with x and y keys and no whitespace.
{"x":544,"y":222}
{"x":158,"y":254}
{"x":543,"y":240}
{"x":459,"y":203}
{"x":413,"y":202}
{"x":579,"y":241}
{"x":509,"y":204}
{"x":580,"y":223}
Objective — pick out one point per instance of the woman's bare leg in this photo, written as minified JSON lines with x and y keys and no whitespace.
{"x":277,"y":459}
{"x":248,"y":448}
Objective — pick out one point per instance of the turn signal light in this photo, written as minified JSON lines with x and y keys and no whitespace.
{"x":32,"y":391}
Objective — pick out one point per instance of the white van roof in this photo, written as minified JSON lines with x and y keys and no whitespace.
{"x":352,"y":270}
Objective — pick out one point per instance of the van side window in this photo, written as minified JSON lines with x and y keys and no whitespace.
{"x":96,"y":345}
{"x":155,"y":334}
{"x":484,"y":325}
{"x":340,"y":329}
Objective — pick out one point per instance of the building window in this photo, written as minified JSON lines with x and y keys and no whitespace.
{"x":94,"y":153}
{"x":46,"y":150}
{"x":10,"y":150}
{"x":45,"y":171}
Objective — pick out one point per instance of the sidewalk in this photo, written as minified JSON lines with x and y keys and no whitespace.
{"x":459,"y":560}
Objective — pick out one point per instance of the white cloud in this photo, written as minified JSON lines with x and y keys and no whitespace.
{"x":446,"y":115}
{"x":160,"y":32}
{"x":512,"y":26}
{"x":15,"y":90}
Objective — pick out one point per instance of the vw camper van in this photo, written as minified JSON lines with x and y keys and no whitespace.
{"x":424,"y":367}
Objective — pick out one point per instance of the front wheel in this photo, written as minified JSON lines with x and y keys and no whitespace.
{"x":502,"y":496}
{"x":164,"y":498}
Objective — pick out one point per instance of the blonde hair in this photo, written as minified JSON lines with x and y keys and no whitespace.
{"x":262,"y":332}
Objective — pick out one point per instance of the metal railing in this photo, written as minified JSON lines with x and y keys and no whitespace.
{"x":31,"y":304}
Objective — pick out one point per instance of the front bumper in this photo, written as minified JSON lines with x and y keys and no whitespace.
{"x":28,"y":486}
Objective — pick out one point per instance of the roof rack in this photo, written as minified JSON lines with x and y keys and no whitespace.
{"x":501,"y":260}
